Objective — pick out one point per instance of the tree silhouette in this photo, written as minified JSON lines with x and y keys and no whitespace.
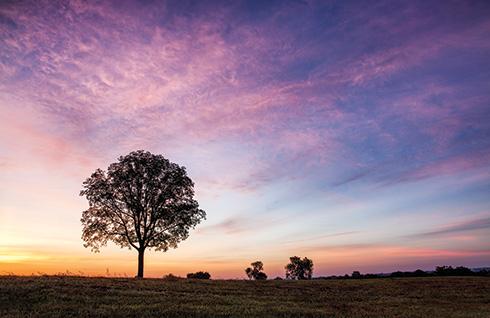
{"x":255,"y":272}
{"x":143,"y":201}
{"x":356,"y":274}
{"x":299,"y":268}
{"x":199,"y":275}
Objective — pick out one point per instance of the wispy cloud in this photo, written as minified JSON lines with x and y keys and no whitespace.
{"x":321,"y":237}
{"x":241,"y":225}
{"x":462,"y":227}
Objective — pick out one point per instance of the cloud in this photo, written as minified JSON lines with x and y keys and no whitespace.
{"x":321,"y":237}
{"x":462,"y":227}
{"x":241,"y":225}
{"x":368,"y":252}
{"x":119,"y":76}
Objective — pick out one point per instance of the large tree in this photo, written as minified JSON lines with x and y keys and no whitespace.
{"x":143,"y":201}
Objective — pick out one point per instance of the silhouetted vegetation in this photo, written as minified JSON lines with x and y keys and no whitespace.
{"x":199,"y":275}
{"x":417,"y":273}
{"x":256,"y":271}
{"x":439,"y":271}
{"x":172,"y":278}
{"x":356,"y":274}
{"x":299,"y":268}
{"x":143,"y":201}
{"x":450,"y":271}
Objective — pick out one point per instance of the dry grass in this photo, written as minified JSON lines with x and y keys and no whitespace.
{"x":120,"y":297}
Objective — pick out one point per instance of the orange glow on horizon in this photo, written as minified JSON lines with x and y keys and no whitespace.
{"x":336,"y":260}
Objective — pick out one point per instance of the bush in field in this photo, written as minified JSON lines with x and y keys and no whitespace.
{"x":256,"y":271}
{"x":299,"y":268}
{"x":199,"y":275}
{"x":172,"y":278}
{"x":356,"y":274}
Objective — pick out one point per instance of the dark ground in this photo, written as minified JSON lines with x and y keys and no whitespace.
{"x":121,"y":297}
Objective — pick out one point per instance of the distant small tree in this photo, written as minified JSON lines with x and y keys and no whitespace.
{"x":462,"y":271}
{"x":256,"y":271}
{"x":299,"y":268}
{"x":450,"y":271}
{"x":444,"y":270}
{"x":356,"y":274}
{"x":199,"y":275}
{"x":143,"y":201}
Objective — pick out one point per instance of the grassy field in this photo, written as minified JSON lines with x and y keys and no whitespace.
{"x":118,"y":297}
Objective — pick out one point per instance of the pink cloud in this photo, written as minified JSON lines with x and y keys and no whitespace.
{"x":367,"y":253}
{"x":456,"y":165}
{"x":128,"y":84}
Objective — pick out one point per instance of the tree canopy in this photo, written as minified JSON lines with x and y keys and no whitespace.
{"x":299,"y":268}
{"x":143,"y":201}
{"x":256,"y":271}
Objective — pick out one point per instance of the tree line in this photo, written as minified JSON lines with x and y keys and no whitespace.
{"x":302,"y":269}
{"x":438,"y":271}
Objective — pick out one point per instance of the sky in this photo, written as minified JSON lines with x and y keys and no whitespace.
{"x":354,"y":133}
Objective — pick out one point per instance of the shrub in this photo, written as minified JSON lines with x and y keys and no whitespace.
{"x":171,"y":278}
{"x":356,"y":274}
{"x":199,"y":275}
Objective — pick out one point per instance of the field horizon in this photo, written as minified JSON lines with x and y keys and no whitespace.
{"x":477,"y":271}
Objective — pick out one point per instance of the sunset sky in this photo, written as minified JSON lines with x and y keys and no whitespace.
{"x":354,"y":133}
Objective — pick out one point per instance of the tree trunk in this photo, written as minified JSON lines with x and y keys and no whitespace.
{"x":141,"y":258}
